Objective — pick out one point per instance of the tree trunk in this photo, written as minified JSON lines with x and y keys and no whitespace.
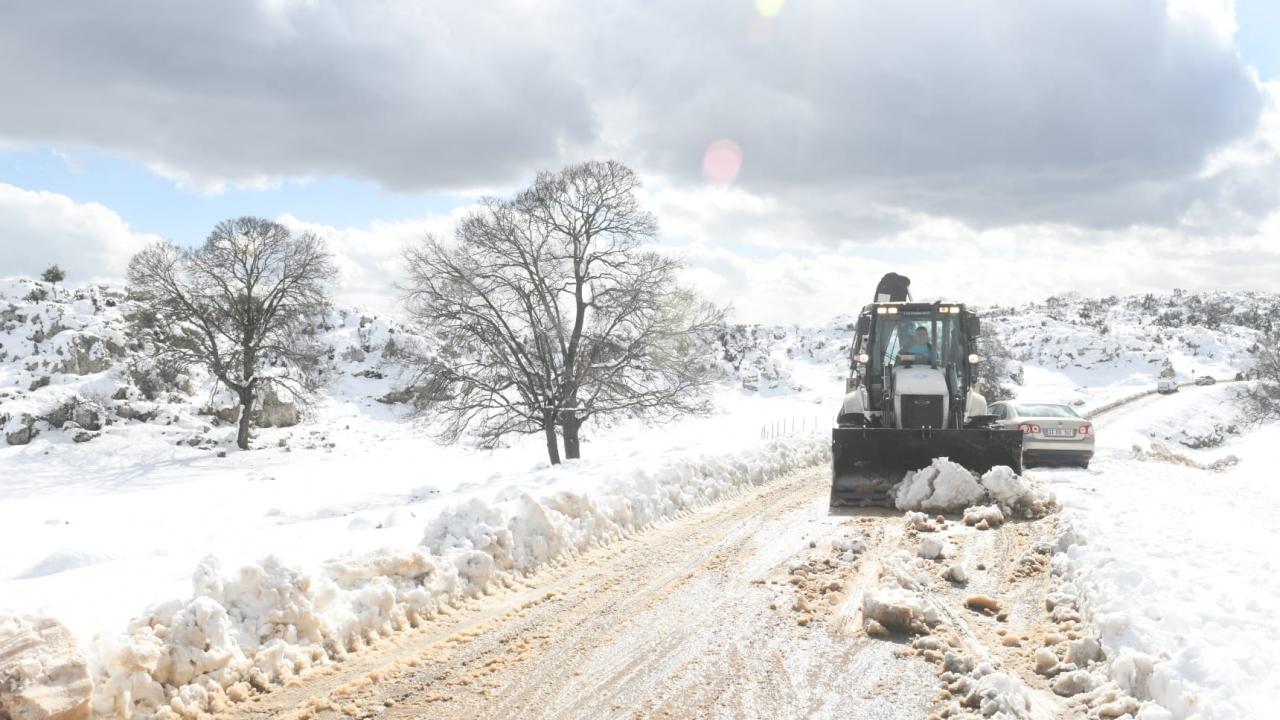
{"x":549,"y":427}
{"x":246,"y":413}
{"x":572,"y":446}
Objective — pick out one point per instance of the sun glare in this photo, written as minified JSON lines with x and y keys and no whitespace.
{"x":769,"y":8}
{"x":722,"y":161}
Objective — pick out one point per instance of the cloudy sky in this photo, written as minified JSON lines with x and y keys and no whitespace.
{"x":793,"y":150}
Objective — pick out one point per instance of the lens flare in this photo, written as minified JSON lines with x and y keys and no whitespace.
{"x":769,"y":8}
{"x":722,"y":161}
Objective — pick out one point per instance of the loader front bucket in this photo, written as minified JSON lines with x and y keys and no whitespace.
{"x":866,"y":462}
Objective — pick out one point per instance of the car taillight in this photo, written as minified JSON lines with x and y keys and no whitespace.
{"x":1086,"y":429}
{"x":1028,"y":428}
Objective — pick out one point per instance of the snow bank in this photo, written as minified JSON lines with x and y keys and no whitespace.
{"x":946,"y":486}
{"x":43,"y":672}
{"x":265,"y":623}
{"x":1185,"y":611}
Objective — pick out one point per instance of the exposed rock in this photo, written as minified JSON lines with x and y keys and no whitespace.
{"x":982,"y":602}
{"x":86,"y":416}
{"x":228,"y":414}
{"x":957,"y":575}
{"x":276,"y":412}
{"x":60,"y":415}
{"x":25,"y":433}
{"x":43,"y":674}
{"x":84,"y":436}
{"x":42,"y":381}
{"x":133,"y":412}
{"x":353,"y":354}
{"x":85,"y":357}
{"x":397,"y":396}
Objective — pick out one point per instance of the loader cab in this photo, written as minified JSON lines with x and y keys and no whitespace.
{"x":934,"y":335}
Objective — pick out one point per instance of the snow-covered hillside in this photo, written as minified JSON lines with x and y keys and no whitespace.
{"x":1076,"y":348}
{"x":72,"y":364}
{"x":347,"y":521}
{"x":74,"y":367}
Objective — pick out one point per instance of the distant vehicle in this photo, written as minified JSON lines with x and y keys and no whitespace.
{"x":1052,"y":434}
{"x":1206,"y":380}
{"x":1166,"y":386}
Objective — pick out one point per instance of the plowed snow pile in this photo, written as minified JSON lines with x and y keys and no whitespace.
{"x":265,"y":623}
{"x":43,"y":674}
{"x":948,"y":487}
{"x":1178,"y":575}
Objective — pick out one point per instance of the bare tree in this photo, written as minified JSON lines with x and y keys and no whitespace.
{"x":241,"y":305}
{"x":551,"y":313}
{"x":624,"y":326}
{"x":481,"y":298}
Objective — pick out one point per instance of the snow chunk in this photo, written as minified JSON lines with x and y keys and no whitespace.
{"x":931,"y":548}
{"x":43,"y":673}
{"x":1074,"y":683}
{"x":894,"y":609}
{"x":944,"y":486}
{"x":989,"y":514}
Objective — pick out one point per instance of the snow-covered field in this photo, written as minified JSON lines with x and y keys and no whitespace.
{"x":355,"y":522}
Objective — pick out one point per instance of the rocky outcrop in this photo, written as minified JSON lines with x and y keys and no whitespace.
{"x":25,"y":432}
{"x":276,"y":412}
{"x":86,"y":354}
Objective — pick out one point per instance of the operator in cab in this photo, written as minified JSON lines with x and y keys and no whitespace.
{"x":920,"y":347}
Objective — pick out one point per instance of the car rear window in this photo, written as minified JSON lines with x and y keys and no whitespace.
{"x":1047,"y":411}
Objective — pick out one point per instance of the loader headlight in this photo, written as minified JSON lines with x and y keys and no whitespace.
{"x":863,"y":358}
{"x":975,"y":359}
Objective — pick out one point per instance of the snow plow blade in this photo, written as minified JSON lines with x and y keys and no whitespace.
{"x":867,"y":462}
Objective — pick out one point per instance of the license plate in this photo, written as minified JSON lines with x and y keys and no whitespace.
{"x":1059,"y":432}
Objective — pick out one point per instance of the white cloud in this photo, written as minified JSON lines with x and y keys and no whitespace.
{"x":999,"y":112}
{"x":948,"y":260}
{"x":87,"y":240}
{"x":370,"y":259}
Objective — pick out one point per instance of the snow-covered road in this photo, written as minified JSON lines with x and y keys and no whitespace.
{"x":690,"y":619}
{"x":731,"y":612}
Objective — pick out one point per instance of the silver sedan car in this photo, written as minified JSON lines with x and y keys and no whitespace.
{"x":1051,"y":433}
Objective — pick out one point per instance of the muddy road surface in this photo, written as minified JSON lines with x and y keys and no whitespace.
{"x":748,"y":608}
